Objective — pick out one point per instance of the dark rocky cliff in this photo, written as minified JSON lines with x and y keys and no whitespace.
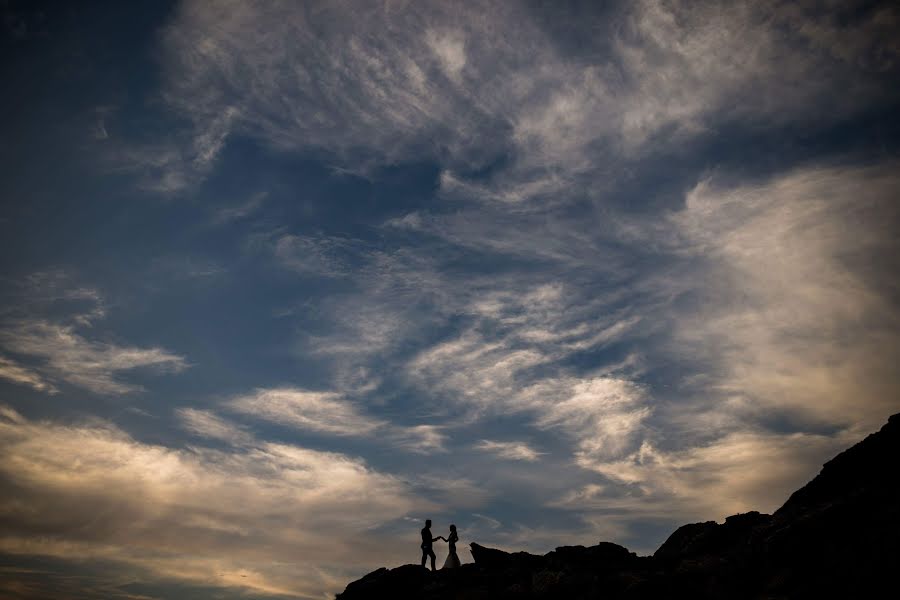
{"x":836,"y":537}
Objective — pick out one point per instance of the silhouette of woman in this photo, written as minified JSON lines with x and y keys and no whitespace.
{"x":452,"y":561}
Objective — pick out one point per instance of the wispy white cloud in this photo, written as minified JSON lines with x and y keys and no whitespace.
{"x":93,"y":365}
{"x":43,"y":290}
{"x":12,"y":371}
{"x":604,"y":413}
{"x":209,"y":142}
{"x":207,"y":424}
{"x":391,"y":81}
{"x":324,"y":412}
{"x":240,"y":211}
{"x":331,"y":413}
{"x":161,"y":166}
{"x":509,"y":450}
{"x":450,"y":49}
{"x":50,"y":332}
{"x":325,"y":256}
{"x":422,"y":439}
{"x":474,"y":371}
{"x":518,"y":369}
{"x":492,"y":522}
{"x":370,"y":88}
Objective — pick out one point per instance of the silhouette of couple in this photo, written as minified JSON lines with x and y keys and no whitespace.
{"x":452,"y":561}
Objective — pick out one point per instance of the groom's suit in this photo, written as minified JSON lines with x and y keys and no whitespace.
{"x":426,"y":547}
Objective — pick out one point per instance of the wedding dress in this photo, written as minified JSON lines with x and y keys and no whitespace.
{"x":452,"y":561}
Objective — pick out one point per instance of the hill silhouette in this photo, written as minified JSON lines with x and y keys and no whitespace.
{"x":836,"y":537}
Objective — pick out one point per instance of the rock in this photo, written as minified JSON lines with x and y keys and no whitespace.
{"x":838,"y":533}
{"x":404,"y":582}
{"x":492,"y":558}
{"x":686,"y":541}
{"x":698,"y":539}
{"x":867,"y":469}
{"x":603,"y":556}
{"x":544,"y":582}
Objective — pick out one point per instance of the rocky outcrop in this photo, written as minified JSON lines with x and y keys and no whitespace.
{"x":699,"y":539}
{"x":836,"y":537}
{"x":491,"y":558}
{"x":567,"y":572}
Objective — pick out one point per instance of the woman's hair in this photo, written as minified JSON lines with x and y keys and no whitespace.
{"x":452,"y":527}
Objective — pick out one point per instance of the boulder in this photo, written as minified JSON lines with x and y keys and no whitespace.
{"x":491,"y":558}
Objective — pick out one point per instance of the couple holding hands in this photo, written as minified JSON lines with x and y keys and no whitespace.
{"x":452,"y":559}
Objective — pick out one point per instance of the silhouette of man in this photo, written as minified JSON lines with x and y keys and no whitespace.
{"x":426,"y":543}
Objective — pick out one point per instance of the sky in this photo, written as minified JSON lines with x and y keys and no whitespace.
{"x":281,"y":280}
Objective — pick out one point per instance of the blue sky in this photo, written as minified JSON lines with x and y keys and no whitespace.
{"x":281,"y":280}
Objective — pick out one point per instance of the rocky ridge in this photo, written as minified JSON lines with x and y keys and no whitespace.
{"x":836,"y":537}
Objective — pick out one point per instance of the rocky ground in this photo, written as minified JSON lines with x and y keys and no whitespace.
{"x":836,"y":537}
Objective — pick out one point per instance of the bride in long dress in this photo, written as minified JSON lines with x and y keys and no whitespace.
{"x":452,"y":561}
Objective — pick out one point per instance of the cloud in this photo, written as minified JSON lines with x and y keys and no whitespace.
{"x":388,"y":298}
{"x":454,"y":487}
{"x":782,"y":317}
{"x":55,"y":288}
{"x":322,"y":412}
{"x":471,"y":86}
{"x":240,"y":211}
{"x":509,"y":450}
{"x":373,"y":89}
{"x":753,"y":324}
{"x":604,"y":413}
{"x":450,"y":49}
{"x":221,"y":518}
{"x":45,"y":322}
{"x":423,"y":439}
{"x":474,"y":371}
{"x":533,"y":326}
{"x":331,"y":413}
{"x":16,"y":373}
{"x":741,"y":471}
{"x":795,"y":311}
{"x":762,"y":319}
{"x":324,"y":256}
{"x":183,"y":268}
{"x":67,"y":356}
{"x":207,"y":424}
{"x":660,"y":350}
{"x":162,"y":166}
{"x":520,"y":369}
{"x":753,"y":312}
{"x":492,"y":523}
